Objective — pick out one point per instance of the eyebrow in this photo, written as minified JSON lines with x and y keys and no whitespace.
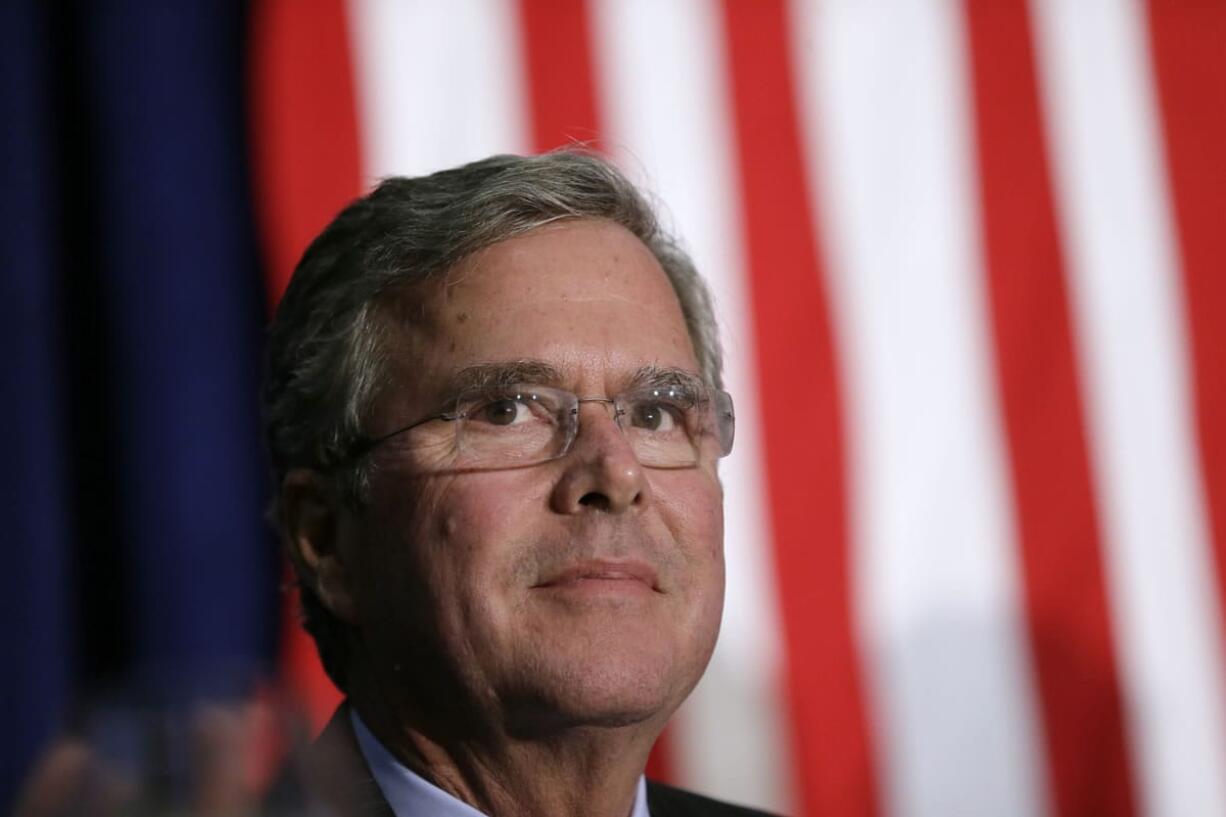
{"x":486,"y":376}
{"x":666,"y":376}
{"x":490,"y":376}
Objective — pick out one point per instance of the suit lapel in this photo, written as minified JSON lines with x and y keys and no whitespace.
{"x":337,"y":773}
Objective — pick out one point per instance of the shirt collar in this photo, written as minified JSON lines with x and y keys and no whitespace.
{"x":408,"y":793}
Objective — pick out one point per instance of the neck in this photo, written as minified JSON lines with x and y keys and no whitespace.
{"x":566,"y":770}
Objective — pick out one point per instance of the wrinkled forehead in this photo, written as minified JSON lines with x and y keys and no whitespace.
{"x":586,"y":297}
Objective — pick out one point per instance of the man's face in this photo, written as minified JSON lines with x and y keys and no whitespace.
{"x":587,"y":589}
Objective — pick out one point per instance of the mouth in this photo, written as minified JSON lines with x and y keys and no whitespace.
{"x":600,"y":576}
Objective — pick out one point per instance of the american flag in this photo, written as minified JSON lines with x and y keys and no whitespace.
{"x":970,"y":264}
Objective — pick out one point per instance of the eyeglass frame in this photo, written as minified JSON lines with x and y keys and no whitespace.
{"x":720,"y":402}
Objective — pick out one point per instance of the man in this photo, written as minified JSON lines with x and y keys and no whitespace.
{"x":493,"y":406}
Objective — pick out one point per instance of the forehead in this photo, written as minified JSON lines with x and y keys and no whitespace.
{"x":585,"y":296}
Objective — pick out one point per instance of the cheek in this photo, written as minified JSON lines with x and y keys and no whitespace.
{"x":442,"y":556}
{"x":488,"y":502}
{"x":476,"y":526}
{"x":692,"y":503}
{"x":691,"y":506}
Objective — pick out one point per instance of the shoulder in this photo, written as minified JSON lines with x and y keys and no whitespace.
{"x":666,"y":801}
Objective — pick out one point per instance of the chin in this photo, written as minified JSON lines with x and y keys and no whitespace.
{"x":621,"y":680}
{"x":590,"y":703}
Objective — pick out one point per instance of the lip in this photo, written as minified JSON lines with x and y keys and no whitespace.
{"x":611,"y":574}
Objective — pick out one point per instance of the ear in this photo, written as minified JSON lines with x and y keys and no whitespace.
{"x":310,"y":525}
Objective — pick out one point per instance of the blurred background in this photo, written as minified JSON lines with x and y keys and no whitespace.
{"x":970,"y":262}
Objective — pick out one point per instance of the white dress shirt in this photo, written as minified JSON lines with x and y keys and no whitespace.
{"x":411,"y":795}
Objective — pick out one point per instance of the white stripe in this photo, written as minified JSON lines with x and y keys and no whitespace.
{"x":1124,"y":286}
{"x":886,"y":100}
{"x":438,"y":84}
{"x":661,"y":69}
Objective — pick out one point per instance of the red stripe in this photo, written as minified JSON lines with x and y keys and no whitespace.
{"x":557,"y":50}
{"x":1065,"y":592}
{"x":305,"y":166}
{"x":1188,"y":39}
{"x":661,"y":765}
{"x":805,"y":461}
{"x":306,"y":161}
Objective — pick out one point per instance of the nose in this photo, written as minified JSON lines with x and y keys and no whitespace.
{"x":600,"y":472}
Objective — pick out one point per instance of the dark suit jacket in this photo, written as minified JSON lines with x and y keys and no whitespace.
{"x":336,"y":772}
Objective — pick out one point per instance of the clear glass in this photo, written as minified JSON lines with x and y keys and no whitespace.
{"x":667,"y":426}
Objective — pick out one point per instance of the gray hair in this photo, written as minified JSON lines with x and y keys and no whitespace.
{"x":328,"y":344}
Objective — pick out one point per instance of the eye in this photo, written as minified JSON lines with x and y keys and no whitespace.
{"x":507,"y":411}
{"x":655,"y":416}
{"x":518,"y":406}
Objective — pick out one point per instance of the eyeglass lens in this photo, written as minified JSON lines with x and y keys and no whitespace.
{"x":666,"y":427}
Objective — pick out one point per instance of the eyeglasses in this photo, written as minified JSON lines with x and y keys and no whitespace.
{"x":667,"y":426}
